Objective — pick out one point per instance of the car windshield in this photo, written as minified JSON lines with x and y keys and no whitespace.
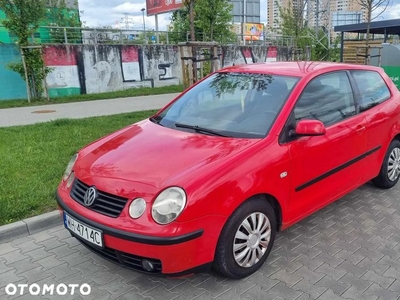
{"x":230,"y":104}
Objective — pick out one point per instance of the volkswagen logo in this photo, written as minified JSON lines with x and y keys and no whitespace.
{"x":90,"y":196}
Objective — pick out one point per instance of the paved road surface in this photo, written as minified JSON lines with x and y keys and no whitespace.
{"x":349,"y":250}
{"x":76,"y":110}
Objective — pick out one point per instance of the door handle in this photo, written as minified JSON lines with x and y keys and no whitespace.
{"x":360,"y":129}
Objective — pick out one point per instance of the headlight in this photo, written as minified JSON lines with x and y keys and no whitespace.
{"x":70,"y":165}
{"x":137,"y":208}
{"x":168,"y":205}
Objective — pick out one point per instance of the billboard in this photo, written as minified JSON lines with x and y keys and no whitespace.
{"x":254,"y":31}
{"x":155,"y":7}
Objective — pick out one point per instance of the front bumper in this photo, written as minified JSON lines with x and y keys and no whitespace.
{"x":172,"y":255}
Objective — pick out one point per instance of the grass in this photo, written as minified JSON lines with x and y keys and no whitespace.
{"x":90,"y":97}
{"x":34,"y":157}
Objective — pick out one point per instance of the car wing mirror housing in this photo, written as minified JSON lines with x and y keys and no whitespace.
{"x":309,"y":128}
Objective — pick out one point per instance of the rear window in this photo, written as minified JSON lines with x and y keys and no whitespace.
{"x":372,"y":87}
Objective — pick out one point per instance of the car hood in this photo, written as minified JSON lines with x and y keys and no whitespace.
{"x":153,"y":155}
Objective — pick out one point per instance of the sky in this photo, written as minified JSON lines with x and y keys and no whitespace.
{"x":98,"y":13}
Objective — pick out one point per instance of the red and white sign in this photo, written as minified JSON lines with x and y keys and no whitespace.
{"x":130,"y":63}
{"x":155,"y":7}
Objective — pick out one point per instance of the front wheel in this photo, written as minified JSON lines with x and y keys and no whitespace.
{"x":246,"y":239}
{"x":390,"y":170}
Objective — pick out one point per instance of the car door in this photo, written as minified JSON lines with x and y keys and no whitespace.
{"x":324,"y":167}
{"x":373,"y":101}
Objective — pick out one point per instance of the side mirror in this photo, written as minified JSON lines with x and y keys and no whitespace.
{"x":310,"y":128}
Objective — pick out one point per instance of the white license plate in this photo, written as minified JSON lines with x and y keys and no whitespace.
{"x":85,"y":232}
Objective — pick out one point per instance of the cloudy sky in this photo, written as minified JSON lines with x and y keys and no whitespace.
{"x":98,"y":13}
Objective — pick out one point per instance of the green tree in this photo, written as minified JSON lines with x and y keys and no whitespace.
{"x":214,"y":17}
{"x":23,"y":19}
{"x":292,"y":23}
{"x":65,"y":20}
{"x":180,"y":26}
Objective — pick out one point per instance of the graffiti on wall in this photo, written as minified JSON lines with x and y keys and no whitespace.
{"x":163,"y":64}
{"x":130,"y":63}
{"x":63,"y":79}
{"x":272,"y":53}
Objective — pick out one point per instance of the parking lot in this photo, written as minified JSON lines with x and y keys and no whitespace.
{"x":348,"y":250}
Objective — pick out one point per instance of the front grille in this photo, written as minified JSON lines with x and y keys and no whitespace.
{"x":105,"y":203}
{"x":124,"y":259}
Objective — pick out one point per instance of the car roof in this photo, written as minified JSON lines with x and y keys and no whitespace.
{"x":294,"y":68}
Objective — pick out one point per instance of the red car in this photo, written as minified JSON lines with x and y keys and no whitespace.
{"x":246,"y":152}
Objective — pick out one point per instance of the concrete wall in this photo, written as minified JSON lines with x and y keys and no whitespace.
{"x":12,"y":86}
{"x":87,"y":69}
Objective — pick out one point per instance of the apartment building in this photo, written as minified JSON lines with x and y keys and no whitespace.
{"x":321,"y":13}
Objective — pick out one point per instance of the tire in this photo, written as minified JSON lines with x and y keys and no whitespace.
{"x":233,"y":265}
{"x":391,"y":163}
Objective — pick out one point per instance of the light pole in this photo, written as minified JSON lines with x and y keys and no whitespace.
{"x":144,"y":26}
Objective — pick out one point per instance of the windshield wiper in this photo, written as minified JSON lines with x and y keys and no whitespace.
{"x":156,"y":120}
{"x":200,"y":129}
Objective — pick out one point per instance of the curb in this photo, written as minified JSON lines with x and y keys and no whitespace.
{"x":29,"y":226}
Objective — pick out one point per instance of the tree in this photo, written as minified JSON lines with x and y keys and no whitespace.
{"x":66,"y":20}
{"x":214,"y":17}
{"x":212,"y":22}
{"x":369,"y":6}
{"x":292,"y":23}
{"x":23,"y":19}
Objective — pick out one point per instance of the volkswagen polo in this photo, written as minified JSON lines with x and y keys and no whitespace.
{"x":244,"y":153}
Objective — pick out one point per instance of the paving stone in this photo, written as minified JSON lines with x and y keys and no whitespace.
{"x":376,"y":267}
{"x":51,"y":243}
{"x":62,"y":251}
{"x":188,"y":291}
{"x":306,"y":287}
{"x":87,"y":268}
{"x":49,"y":262}
{"x":213,"y":287}
{"x":334,"y":285}
{"x":255,"y":293}
{"x":354,"y":293}
{"x":41,"y":236}
{"x":29,"y":246}
{"x":395,"y":287}
{"x":116,"y":288}
{"x":21,"y":240}
{"x":74,"y":259}
{"x":384,"y":282}
{"x":24,"y":265}
{"x":62,"y":271}
{"x":359,"y":284}
{"x":329,"y":295}
{"x":349,"y":256}
{"x":12,"y":257}
{"x":9,"y":277}
{"x":376,"y":290}
{"x":281,"y":290}
{"x":327,"y":269}
{"x":37,"y":254}
{"x":4,"y":268}
{"x":35,"y":274}
{"x":348,"y":267}
{"x":6,"y":248}
{"x":161,"y":293}
{"x":308,"y":275}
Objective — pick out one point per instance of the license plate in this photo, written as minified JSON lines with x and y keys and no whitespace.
{"x":83,"y":231}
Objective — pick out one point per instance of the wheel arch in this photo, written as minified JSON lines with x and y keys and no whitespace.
{"x":275,"y":205}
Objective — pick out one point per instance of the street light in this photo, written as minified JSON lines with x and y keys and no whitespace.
{"x":144,"y":25}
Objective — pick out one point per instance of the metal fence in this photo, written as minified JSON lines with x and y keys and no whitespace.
{"x":94,"y":36}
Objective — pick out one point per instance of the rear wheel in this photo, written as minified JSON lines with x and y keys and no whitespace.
{"x":246,"y":239}
{"x":390,"y":170}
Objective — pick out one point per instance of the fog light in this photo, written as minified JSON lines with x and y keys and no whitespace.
{"x":147,"y":265}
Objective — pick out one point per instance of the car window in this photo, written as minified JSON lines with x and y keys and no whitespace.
{"x":373,"y":89}
{"x":327,"y":98}
{"x":231,"y":104}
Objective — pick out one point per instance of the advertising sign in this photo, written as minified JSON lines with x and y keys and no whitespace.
{"x":155,"y":7}
{"x":254,"y":31}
